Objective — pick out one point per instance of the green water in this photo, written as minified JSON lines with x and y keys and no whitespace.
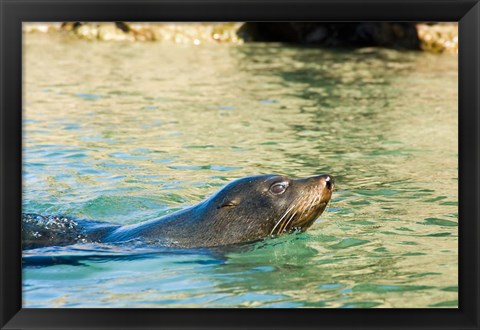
{"x":126,"y":132}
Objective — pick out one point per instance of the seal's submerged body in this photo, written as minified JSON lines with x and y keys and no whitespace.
{"x":244,"y":210}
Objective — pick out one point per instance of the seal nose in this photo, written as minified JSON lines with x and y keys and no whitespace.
{"x":329,"y":181}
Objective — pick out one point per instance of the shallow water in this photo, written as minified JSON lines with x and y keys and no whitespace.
{"x":126,"y":132}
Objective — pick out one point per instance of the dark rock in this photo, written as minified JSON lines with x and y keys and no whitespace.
{"x":352,"y":34}
{"x":123,"y":26}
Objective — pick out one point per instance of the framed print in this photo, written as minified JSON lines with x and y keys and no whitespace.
{"x":205,"y":164}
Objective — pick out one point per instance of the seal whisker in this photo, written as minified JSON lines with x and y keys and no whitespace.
{"x":310,"y":204}
{"x":300,"y":206}
{"x":315,"y":200}
{"x":283,"y":216}
{"x":284,"y":227}
{"x":295,"y":207}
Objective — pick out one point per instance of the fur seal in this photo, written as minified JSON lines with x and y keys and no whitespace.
{"x":245,"y":210}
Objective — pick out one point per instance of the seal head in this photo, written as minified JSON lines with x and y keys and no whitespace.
{"x":266,"y":205}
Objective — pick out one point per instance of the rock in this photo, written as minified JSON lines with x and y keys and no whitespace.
{"x":355,"y":34}
{"x":438,"y":37}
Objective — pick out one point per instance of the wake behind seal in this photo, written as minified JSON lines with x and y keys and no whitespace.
{"x":245,"y":210}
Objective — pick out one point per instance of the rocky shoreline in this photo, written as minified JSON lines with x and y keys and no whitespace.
{"x":430,"y":37}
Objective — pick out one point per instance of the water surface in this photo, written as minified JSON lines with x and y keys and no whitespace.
{"x":127,"y":132}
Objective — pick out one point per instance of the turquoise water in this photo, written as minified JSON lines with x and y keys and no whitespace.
{"x":127,"y":132}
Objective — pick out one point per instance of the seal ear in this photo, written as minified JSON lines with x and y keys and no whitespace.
{"x":229,"y":203}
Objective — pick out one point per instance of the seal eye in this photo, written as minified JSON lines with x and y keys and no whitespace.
{"x":228,"y":203}
{"x":278,"y":188}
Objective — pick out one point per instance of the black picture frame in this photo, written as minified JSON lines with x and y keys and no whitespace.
{"x":14,"y":12}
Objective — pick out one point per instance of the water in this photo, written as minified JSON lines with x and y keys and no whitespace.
{"x":127,"y":132}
